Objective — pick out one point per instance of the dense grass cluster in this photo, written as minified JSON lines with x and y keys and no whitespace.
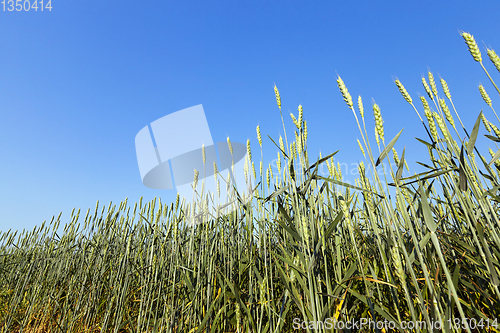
{"x":310,"y":246}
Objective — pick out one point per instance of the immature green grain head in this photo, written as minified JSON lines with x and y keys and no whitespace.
{"x":263,"y":290}
{"x":278,"y":98}
{"x":195,"y":180}
{"x":203,"y":154}
{"x":441,"y":125}
{"x":249,"y":151}
{"x":396,"y":259}
{"x":484,"y":95}
{"x":345,"y":209}
{"x":432,"y":125}
{"x":360,"y":107}
{"x":445,"y":88}
{"x":177,"y":198}
{"x":396,"y":157}
{"x":379,"y":123}
{"x":268,"y":179}
{"x":446,"y":111}
{"x":259,"y":137}
{"x":245,"y":169}
{"x":361,"y":170}
{"x":331,"y":167}
{"x":497,"y":162}
{"x":282,"y":145}
{"x":305,"y":130}
{"x":230,"y":146}
{"x":294,"y":120}
{"x":428,"y":115}
{"x":486,"y":123}
{"x":425,"y":103}
{"x":298,"y":143}
{"x":238,"y":314}
{"x":345,"y":92}
{"x":228,"y":181}
{"x":495,"y":129}
{"x":331,"y":170}
{"x":427,"y":88}
{"x":361,"y":148}
{"x":403,"y":91}
{"x":301,"y":115}
{"x":432,"y":82}
{"x":472,"y":45}
{"x":271,"y":172}
{"x":494,"y":58}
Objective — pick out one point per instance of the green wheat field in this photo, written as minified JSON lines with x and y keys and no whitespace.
{"x":306,"y":250}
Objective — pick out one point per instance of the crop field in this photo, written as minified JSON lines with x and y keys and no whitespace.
{"x":308,"y":250}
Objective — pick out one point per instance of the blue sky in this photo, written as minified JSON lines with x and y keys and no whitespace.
{"x":77,"y":83}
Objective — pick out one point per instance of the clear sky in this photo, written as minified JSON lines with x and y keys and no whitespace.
{"x":77,"y":83}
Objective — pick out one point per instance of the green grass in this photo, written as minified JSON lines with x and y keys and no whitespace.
{"x":307,"y":247}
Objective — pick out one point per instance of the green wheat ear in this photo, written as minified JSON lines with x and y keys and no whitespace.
{"x":403,"y":91}
{"x":446,"y":111}
{"x":249,"y":151}
{"x":497,"y":163}
{"x":360,"y":107}
{"x":379,"y":123}
{"x":282,"y":145}
{"x":278,"y":97}
{"x":230,"y":146}
{"x":430,"y":120}
{"x":259,"y":137}
{"x":361,"y":148}
{"x":345,"y":93}
{"x":215,"y":171}
{"x":253,"y":171}
{"x":203,"y":154}
{"x":495,"y":130}
{"x":432,"y":82}
{"x":301,"y":115}
{"x":486,"y":123}
{"x":427,"y":89}
{"x":446,"y":90}
{"x":195,"y":180}
{"x":295,"y":122}
{"x":485,"y":96}
{"x":472,"y":45}
{"x":441,"y":125}
{"x":396,"y":157}
{"x":494,"y":58}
